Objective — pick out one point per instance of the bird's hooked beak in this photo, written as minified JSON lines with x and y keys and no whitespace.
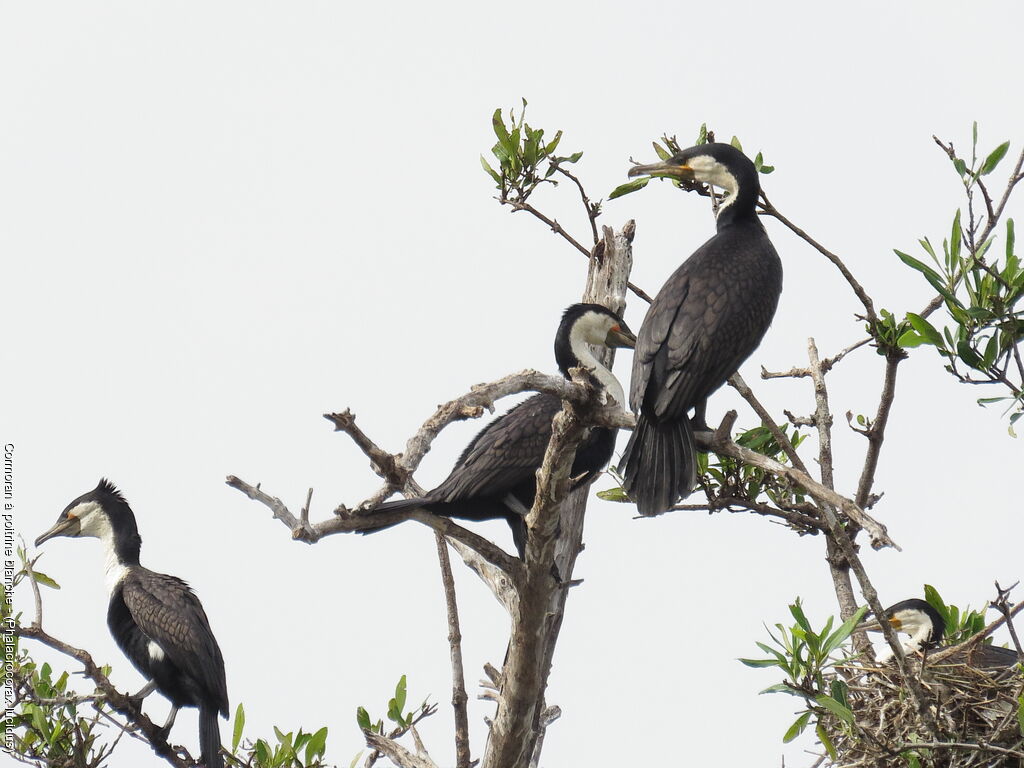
{"x":666,"y":168}
{"x":620,"y":336}
{"x":65,"y":526}
{"x":874,"y":625}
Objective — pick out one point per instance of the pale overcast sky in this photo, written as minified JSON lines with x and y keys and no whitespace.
{"x":220,"y":220}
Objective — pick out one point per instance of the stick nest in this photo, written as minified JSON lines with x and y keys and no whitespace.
{"x":976,"y":711}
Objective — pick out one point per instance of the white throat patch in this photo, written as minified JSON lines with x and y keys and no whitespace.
{"x":94,"y":523}
{"x":710,"y":171}
{"x":580,"y":339}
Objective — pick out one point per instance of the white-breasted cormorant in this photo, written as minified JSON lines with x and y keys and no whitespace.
{"x":926,"y":627}
{"x":708,"y":317}
{"x":495,"y":477}
{"x":155,"y":619}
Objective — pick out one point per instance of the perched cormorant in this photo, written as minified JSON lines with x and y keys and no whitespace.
{"x":495,"y":477}
{"x":926,"y":627}
{"x":708,"y":317}
{"x":155,"y":619}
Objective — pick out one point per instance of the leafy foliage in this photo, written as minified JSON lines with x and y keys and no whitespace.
{"x":806,"y":657}
{"x":669,"y":146}
{"x":291,"y":750}
{"x":524,"y":160}
{"x":984,"y":324}
{"x":808,"y":660}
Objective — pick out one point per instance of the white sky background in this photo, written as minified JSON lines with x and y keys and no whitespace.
{"x":219,"y":221}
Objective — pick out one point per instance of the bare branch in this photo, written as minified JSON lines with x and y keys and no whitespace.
{"x":459,"y":697}
{"x":876,"y":432}
{"x":736,"y":382}
{"x":770,"y":210}
{"x":395,"y":752}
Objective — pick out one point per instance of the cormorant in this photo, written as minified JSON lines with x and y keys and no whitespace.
{"x":495,"y":477}
{"x":926,"y":627}
{"x":708,"y":317}
{"x":155,"y":619}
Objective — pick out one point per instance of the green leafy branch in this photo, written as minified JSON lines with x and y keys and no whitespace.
{"x":984,"y":325}
{"x":396,"y":713}
{"x":806,"y":657}
{"x":733,"y":485}
{"x":292,"y":750}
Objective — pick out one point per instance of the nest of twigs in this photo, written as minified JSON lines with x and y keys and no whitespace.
{"x":973,"y":716}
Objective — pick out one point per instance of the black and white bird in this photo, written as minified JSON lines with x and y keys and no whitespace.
{"x":708,"y":317}
{"x":155,"y":619}
{"x":926,"y":628}
{"x":495,"y":477}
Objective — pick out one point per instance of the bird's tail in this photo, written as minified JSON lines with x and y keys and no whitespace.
{"x":659,"y":465}
{"x":398,"y":505}
{"x":209,"y":737}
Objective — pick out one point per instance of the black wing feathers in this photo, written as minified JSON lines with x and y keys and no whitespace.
{"x":169,"y":614}
{"x":504,"y":455}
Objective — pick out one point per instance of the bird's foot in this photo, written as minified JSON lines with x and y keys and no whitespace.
{"x":137,"y":698}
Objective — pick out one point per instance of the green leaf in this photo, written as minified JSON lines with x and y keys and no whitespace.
{"x":960,"y":165}
{"x":837,"y":709}
{"x":501,"y":131}
{"x":736,"y":143}
{"x":613,"y":494}
{"x":355,"y":760}
{"x":574,"y":157}
{"x":490,"y":171}
{"x":400,"y":693}
{"x":1020,"y":714}
{"x":926,"y":329}
{"x":262,"y":751}
{"x":46,"y":581}
{"x":909,"y":340}
{"x":363,"y":718}
{"x":968,"y":355}
{"x":838,"y":637}
{"x":236,"y":734}
{"x":781,"y":688}
{"x":757,"y":663}
{"x":920,"y":266}
{"x":702,"y":134}
{"x":553,"y":144}
{"x":797,"y":727}
{"x":629,"y":187}
{"x":662,"y":153}
{"x":993,"y":159}
{"x":1009,"y":238}
{"x":317,"y":745}
{"x":826,"y":742}
{"x":766,"y":169}
{"x":956,"y":237}
{"x":798,"y":613}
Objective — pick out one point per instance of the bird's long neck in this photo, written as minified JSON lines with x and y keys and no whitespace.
{"x":739,"y":205}
{"x":582,"y":355}
{"x":121,"y":552}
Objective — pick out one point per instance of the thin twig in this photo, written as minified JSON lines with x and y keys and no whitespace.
{"x":736,"y":382}
{"x":876,"y":432}
{"x":858,"y":289}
